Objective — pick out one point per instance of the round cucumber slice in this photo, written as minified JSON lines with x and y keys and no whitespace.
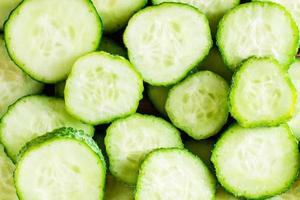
{"x":64,"y":164}
{"x":7,"y":185}
{"x":166,"y":41}
{"x":262,"y":94}
{"x":34,"y":116}
{"x":110,"y":46}
{"x":158,"y":97}
{"x":174,"y":174}
{"x":292,"y":194}
{"x":6,"y":6}
{"x":198,"y":105}
{"x":256,"y":163}
{"x":14,"y":83}
{"x":45,"y":39}
{"x":128,"y":140}
{"x":102,"y":87}
{"x":260,"y":29}
{"x":116,"y":190}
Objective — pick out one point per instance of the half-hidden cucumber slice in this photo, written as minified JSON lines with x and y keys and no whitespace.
{"x":221,"y":194}
{"x":45,"y":39}
{"x":6,"y":6}
{"x":64,"y":164}
{"x":174,"y":174}
{"x":262,"y":94}
{"x":116,"y":190}
{"x":166,"y":41}
{"x":7,"y":185}
{"x":14,"y":83}
{"x":34,"y":116}
{"x":128,"y":140}
{"x":198,"y":105}
{"x":116,"y":13}
{"x":110,"y":46}
{"x":292,"y":194}
{"x":102,"y":87}
{"x":260,"y":29}
{"x":158,"y":97}
{"x":59,"y":89}
{"x":256,"y":163}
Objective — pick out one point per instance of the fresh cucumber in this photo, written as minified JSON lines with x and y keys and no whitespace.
{"x":64,"y":164}
{"x":59,"y":89}
{"x":256,"y":163}
{"x":128,"y":140}
{"x":260,"y":29}
{"x":221,"y":194}
{"x":198,"y":105}
{"x":34,"y":116}
{"x":158,"y":97}
{"x":116,"y":190}
{"x":45,"y":37}
{"x":14,"y":83}
{"x":262,"y":94}
{"x":292,"y":194}
{"x":110,"y":46}
{"x":174,"y":174}
{"x":166,"y":41}
{"x":6,"y":6}
{"x":116,"y":13}
{"x":102,"y":87}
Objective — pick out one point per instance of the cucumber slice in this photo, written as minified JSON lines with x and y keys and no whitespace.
{"x":256,"y":163}
{"x":110,"y":46}
{"x":292,"y":194}
{"x":158,"y":97}
{"x":221,"y":194}
{"x":198,"y":105}
{"x":6,"y":6}
{"x":7,"y":186}
{"x":45,"y":39}
{"x":166,"y":41}
{"x":213,"y":9}
{"x":262,"y":94}
{"x":14,"y":83}
{"x":128,"y":140}
{"x":116,"y":13}
{"x":174,"y":174}
{"x":64,"y":164}
{"x":34,"y":116}
{"x":59,"y":89}
{"x":261,"y":29}
{"x":116,"y":190}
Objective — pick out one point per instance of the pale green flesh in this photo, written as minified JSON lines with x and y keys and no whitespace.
{"x":292,"y":194}
{"x":116,"y":190}
{"x":14,"y":83}
{"x":166,"y":41}
{"x":34,"y":116}
{"x":258,"y":29}
{"x":102,"y":87}
{"x":158,"y":96}
{"x":116,"y":13}
{"x":256,"y":162}
{"x":198,"y":105}
{"x":174,"y":174}
{"x":45,"y":39}
{"x":6,"y":6}
{"x":60,"y":169}
{"x":129,"y":140}
{"x":7,"y":186}
{"x":262,"y":94}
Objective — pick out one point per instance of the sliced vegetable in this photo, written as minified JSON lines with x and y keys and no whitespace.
{"x":158,"y":97}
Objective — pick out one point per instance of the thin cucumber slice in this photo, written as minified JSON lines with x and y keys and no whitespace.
{"x":213,"y":9}
{"x":34,"y":116}
{"x":110,"y":46}
{"x":59,"y":89}
{"x":7,"y":186}
{"x":221,"y":194}
{"x":102,"y":87}
{"x":14,"y":83}
{"x":198,"y":105}
{"x":294,"y":74}
{"x":158,"y":97}
{"x":292,"y":194}
{"x":64,"y":164}
{"x":128,"y":140}
{"x":262,"y":94}
{"x":174,"y":174}
{"x":166,"y":41}
{"x":260,"y":29}
{"x":116,"y":190}
{"x":116,"y":13}
{"x":45,"y":39}
{"x":256,"y":163}
{"x":6,"y":6}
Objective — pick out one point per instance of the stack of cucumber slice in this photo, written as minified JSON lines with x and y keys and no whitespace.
{"x":149,"y":99}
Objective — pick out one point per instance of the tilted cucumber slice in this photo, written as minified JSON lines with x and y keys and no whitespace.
{"x":292,"y":194}
{"x":102,"y":87}
{"x":213,"y":9}
{"x":256,"y":163}
{"x":7,"y":185}
{"x":221,"y":194}
{"x":262,"y":94}
{"x":258,"y":29}
{"x":174,"y":174}
{"x":198,"y":105}
{"x":166,"y":41}
{"x":116,"y":190}
{"x":14,"y":83}
{"x":6,"y":6}
{"x":34,"y":116}
{"x":158,"y":97}
{"x":110,"y":46}
{"x":45,"y":39}
{"x":64,"y":164}
{"x":128,"y":140}
{"x":59,"y":89}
